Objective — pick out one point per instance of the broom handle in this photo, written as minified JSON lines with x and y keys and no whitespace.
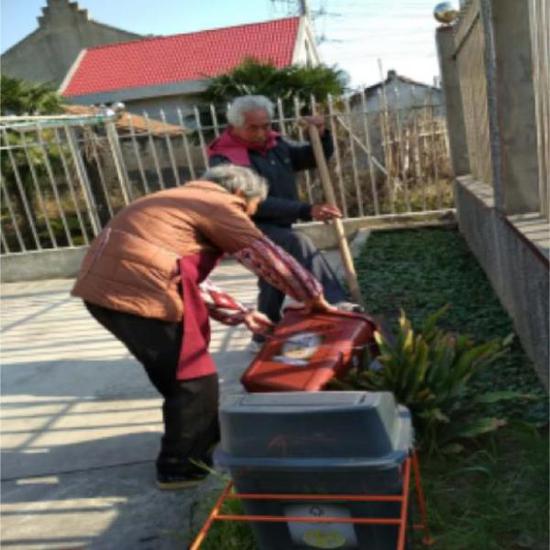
{"x":347,"y":259}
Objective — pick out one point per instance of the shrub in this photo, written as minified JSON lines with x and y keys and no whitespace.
{"x":429,"y":371}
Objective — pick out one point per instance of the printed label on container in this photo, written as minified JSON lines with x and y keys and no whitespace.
{"x":302,"y":345}
{"x":321,"y":535}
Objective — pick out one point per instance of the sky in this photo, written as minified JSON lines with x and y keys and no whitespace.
{"x":353,"y":34}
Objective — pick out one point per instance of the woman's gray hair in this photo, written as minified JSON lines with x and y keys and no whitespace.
{"x":237,"y":178}
{"x":245,"y":104}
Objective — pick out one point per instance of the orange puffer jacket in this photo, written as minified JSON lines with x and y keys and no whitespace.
{"x":132,"y":266}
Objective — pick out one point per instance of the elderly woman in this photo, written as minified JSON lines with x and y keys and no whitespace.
{"x":144,"y":279}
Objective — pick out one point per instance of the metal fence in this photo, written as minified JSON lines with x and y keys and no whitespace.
{"x":64,"y":177}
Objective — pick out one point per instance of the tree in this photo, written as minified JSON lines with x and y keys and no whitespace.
{"x":255,"y":77}
{"x":18,"y":97}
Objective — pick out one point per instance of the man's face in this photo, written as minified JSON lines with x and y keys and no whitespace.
{"x":255,"y":128}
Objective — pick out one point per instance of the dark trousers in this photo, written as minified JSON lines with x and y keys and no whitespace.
{"x":305,"y":252}
{"x":190,"y":408}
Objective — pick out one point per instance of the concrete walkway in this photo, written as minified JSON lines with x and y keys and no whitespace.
{"x":81,"y":426}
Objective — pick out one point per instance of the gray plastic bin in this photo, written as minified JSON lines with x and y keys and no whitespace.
{"x":317,"y":443}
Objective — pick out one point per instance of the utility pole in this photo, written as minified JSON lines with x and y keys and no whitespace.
{"x":304,"y":9}
{"x":302,"y":6}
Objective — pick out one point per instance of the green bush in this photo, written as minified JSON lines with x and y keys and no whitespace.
{"x":429,"y":371}
{"x":259,"y":78}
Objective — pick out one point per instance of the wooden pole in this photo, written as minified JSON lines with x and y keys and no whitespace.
{"x":347,"y":259}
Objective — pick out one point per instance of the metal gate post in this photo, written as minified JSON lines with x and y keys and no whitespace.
{"x":84,"y":181}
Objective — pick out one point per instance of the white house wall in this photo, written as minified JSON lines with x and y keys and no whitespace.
{"x":169,"y":105}
{"x":402,"y":95}
{"x":305,"y":50}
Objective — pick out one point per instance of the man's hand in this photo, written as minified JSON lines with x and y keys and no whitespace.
{"x":317,"y":121}
{"x":257,"y":322}
{"x":325,"y":212}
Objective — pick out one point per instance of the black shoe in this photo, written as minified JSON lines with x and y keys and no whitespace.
{"x":172,"y":482}
{"x":176,"y":473}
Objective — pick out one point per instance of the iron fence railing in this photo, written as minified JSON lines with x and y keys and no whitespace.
{"x":64,"y":177}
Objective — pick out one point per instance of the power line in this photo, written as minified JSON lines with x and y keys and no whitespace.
{"x":359,"y":32}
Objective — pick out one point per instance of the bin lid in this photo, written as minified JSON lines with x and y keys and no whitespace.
{"x":358,"y":425}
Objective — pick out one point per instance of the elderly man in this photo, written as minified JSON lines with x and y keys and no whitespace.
{"x":250,"y":141}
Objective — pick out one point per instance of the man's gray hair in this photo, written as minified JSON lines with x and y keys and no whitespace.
{"x":245,"y":104}
{"x":237,"y":178}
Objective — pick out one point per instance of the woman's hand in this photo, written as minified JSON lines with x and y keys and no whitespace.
{"x":257,"y":322}
{"x":319,"y":305}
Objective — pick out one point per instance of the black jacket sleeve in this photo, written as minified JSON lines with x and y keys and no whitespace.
{"x":286,"y":211}
{"x":301,"y":153}
{"x":277,"y":210}
{"x":282,"y":211}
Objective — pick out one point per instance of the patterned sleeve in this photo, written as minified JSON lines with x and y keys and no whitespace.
{"x":273,"y":264}
{"x":221,"y":306}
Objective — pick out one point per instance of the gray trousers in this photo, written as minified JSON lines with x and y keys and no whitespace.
{"x":305,"y":252}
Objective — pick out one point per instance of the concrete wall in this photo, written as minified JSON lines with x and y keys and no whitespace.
{"x":515,"y":105}
{"x":452,"y":95}
{"x":500,"y":217}
{"x":64,"y":30}
{"x":513,"y":252}
{"x":44,"y":264}
{"x":64,"y":263}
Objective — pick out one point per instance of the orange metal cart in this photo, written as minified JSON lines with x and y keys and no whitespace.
{"x":411,"y":462}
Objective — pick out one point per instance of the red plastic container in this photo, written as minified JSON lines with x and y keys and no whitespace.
{"x":306,"y":351}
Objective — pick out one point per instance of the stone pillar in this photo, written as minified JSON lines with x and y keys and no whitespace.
{"x":515,"y":105}
{"x":450,"y":83}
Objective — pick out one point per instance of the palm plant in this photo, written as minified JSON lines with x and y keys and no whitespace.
{"x":258,"y":78}
{"x":429,"y":371}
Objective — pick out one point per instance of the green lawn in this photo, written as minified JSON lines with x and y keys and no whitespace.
{"x":494,"y":495}
{"x":422,"y":270}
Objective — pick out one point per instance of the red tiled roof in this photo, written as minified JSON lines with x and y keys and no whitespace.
{"x":181,"y":57}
